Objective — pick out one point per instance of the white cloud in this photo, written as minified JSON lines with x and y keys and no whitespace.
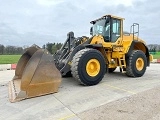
{"x":116,"y":2}
{"x":49,"y":2}
{"x":47,"y":19}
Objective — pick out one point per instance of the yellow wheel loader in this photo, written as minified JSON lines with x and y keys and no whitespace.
{"x":86,"y":59}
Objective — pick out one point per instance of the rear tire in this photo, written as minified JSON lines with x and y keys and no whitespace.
{"x":88,"y":66}
{"x":136,"y":64}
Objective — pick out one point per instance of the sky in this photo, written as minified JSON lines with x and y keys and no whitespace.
{"x":27,"y":22}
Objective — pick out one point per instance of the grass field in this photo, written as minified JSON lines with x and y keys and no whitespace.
{"x":9,"y":59}
{"x":156,"y":55}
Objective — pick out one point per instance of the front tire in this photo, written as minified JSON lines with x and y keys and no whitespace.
{"x":88,"y":66}
{"x":136,"y":64}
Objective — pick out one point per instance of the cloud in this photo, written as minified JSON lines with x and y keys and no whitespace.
{"x":30,"y":22}
{"x":49,"y":2}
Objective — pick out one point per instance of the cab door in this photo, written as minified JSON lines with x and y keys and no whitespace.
{"x":115,"y":30}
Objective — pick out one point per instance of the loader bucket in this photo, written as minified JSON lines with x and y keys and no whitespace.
{"x":35,"y":75}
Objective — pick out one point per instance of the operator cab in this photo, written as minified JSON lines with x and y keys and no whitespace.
{"x":110,"y":27}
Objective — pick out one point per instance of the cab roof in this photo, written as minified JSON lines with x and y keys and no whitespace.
{"x":92,"y":22}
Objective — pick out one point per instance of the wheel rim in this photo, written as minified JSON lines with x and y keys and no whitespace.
{"x":93,"y":67}
{"x":139,"y":64}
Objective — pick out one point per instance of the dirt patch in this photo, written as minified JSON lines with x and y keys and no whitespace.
{"x":142,"y":106}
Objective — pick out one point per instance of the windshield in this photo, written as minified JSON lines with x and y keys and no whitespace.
{"x":101,"y":27}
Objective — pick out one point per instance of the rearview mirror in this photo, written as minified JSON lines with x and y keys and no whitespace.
{"x":91,"y":31}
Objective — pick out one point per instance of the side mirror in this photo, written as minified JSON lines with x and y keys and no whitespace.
{"x":91,"y":31}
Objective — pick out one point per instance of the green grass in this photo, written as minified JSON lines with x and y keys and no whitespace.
{"x":156,"y":55}
{"x":9,"y":59}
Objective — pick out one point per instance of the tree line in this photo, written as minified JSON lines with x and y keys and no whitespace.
{"x":11,"y":50}
{"x":52,"y":48}
{"x":16,"y":50}
{"x":154,"y":48}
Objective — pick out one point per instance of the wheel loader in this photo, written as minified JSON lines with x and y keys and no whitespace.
{"x":87,"y":59}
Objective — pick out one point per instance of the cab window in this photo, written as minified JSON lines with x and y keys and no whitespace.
{"x":116,"y":30}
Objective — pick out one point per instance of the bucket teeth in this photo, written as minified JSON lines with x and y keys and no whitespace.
{"x":35,"y":75}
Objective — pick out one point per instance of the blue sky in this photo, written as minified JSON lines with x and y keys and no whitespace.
{"x":27,"y":22}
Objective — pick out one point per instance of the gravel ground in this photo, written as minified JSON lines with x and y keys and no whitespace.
{"x":142,"y":106}
{"x":116,"y":97}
